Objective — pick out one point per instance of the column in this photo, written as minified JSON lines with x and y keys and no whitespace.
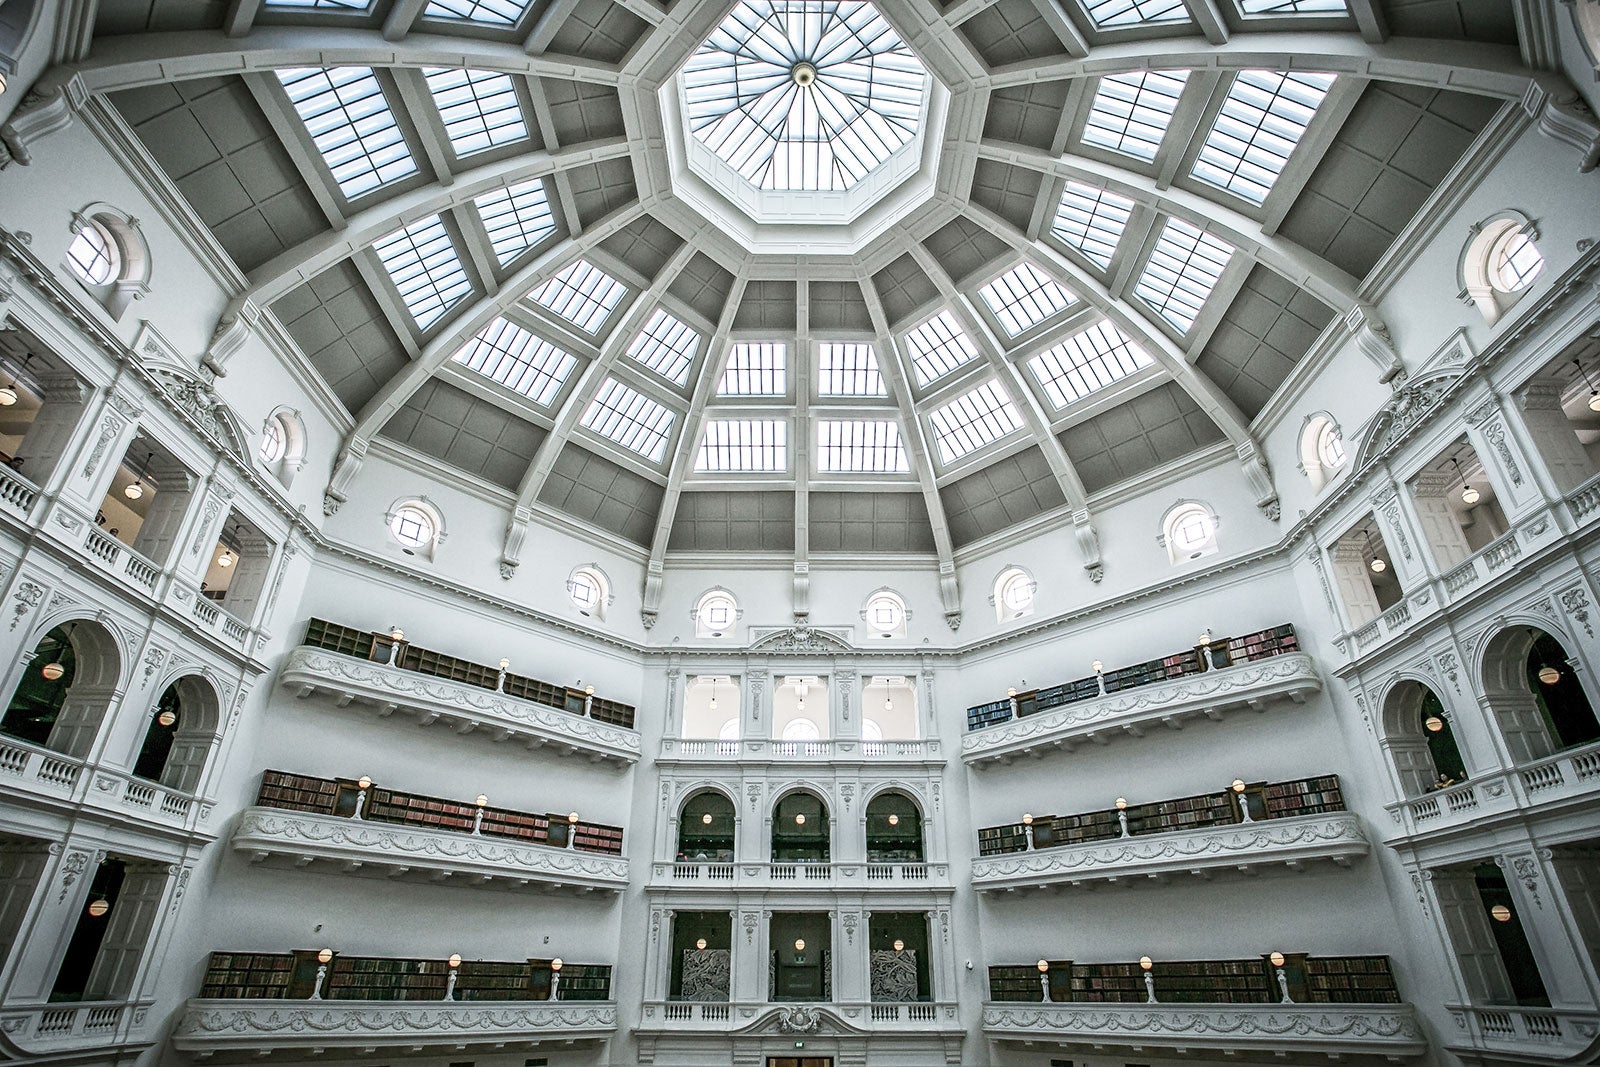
{"x":849,"y":825}
{"x":1576,"y":875}
{"x":928,"y":724}
{"x":199,"y":536}
{"x":751,"y":942}
{"x":161,"y":938}
{"x":757,"y":712}
{"x":657,"y":960}
{"x":22,"y":864}
{"x":846,"y":709}
{"x":1553,"y":933}
{"x":1562,"y":463}
{"x":113,"y":424}
{"x":1350,"y":574}
{"x":672,"y":723}
{"x":1402,"y":541}
{"x":256,"y":558}
{"x":57,"y":430}
{"x":1521,"y":725}
{"x":1440,"y":531}
{"x":77,"y":728}
{"x":1504,"y":460}
{"x":61,"y":896}
{"x":169,"y":510}
{"x":851,"y":967}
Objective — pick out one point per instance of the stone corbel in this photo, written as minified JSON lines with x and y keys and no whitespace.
{"x":42,"y":112}
{"x":1372,"y":338}
{"x":802,"y":590}
{"x":950,"y":594}
{"x":238,"y":321}
{"x":1258,"y":476}
{"x":345,"y":468}
{"x":651,"y":608}
{"x":1564,"y":116}
{"x":516,"y":532}
{"x":1088,"y":545}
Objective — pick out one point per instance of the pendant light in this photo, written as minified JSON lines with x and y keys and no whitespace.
{"x":54,"y":670}
{"x":99,"y":906}
{"x":713,"y":694}
{"x":228,"y":556}
{"x":167,"y":717}
{"x":1378,"y":564}
{"x":135,"y":489}
{"x":1594,"y":394}
{"x":1469,"y":495}
{"x":1549,"y":675}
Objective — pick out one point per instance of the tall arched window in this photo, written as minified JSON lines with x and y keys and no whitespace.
{"x":1189,"y":531}
{"x":1013,"y":594}
{"x":715,"y":614}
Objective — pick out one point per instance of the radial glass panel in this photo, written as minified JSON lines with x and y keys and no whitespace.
{"x":1108,"y":14}
{"x":1262,"y":119}
{"x":1182,"y":271}
{"x":491,"y":12}
{"x":938,"y":347}
{"x":630,"y":419}
{"x":348,"y":118}
{"x":755,"y":369}
{"x":1023,"y":297}
{"x":972,"y":420}
{"x":1085,"y":362}
{"x":848,"y":370}
{"x":516,"y":218}
{"x":1092,"y":220}
{"x":518,"y":360}
{"x":804,"y":94}
{"x":860,"y":446}
{"x":666,"y":346}
{"x":422,"y":263}
{"x":744,"y":446}
{"x":583,"y":294}
{"x":1293,"y":7}
{"x":480,"y":108}
{"x":1130,"y":112}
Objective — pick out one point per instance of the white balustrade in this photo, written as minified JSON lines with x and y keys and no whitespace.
{"x":101,"y":545}
{"x":1585,"y":500}
{"x":762,"y":748}
{"x":903,"y":1017}
{"x":16,"y":492}
{"x":818,"y":875}
{"x":1558,"y":778}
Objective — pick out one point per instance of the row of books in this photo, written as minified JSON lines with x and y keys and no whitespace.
{"x":1224,"y":652}
{"x":339,"y":796}
{"x":293,"y":976}
{"x":1310,"y":980}
{"x":1278,"y":800}
{"x":379,"y":647}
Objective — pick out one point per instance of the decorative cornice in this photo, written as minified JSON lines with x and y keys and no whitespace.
{"x":390,"y":689}
{"x":1377,"y":1029}
{"x":1293,"y":675}
{"x":495,"y":862}
{"x":208,"y":1025}
{"x":1293,"y":841}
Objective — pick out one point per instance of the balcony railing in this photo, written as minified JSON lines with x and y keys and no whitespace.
{"x":1253,"y":685}
{"x":17,"y":494}
{"x":1556,"y":780}
{"x":837,"y":875}
{"x":465,"y":707}
{"x":51,"y":776}
{"x":843,"y":1019}
{"x":49,"y":1031}
{"x":696,"y":749}
{"x":1525,"y":1035}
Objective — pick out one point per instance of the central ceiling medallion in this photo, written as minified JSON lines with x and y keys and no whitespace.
{"x":806,"y":115}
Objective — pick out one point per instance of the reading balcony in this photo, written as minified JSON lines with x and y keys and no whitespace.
{"x":1283,"y":1004}
{"x":70,"y":1032}
{"x":1243,"y":828}
{"x":821,"y":875}
{"x":312,"y":1001}
{"x":43,"y":778}
{"x":385,"y":674}
{"x":1218,"y":676}
{"x":1567,"y":782}
{"x":920,"y":1032}
{"x":1524,"y":1035}
{"x":754,"y":750}
{"x":358,"y":825}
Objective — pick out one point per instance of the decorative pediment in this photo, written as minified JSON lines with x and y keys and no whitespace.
{"x":808,"y":1019}
{"x":802,"y":639}
{"x":1409,"y":404}
{"x":199,"y":402}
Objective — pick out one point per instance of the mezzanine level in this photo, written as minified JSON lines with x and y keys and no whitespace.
{"x":42,"y":778}
{"x":700,"y":874}
{"x":68,"y":1032}
{"x":680,"y":1032}
{"x":834,"y":752}
{"x":1524,"y":1035}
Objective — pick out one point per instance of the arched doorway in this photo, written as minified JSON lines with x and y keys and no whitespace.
{"x":800,"y":829}
{"x":1419,"y":739}
{"x":180,"y":734}
{"x":706,"y":829}
{"x":894,"y":829}
{"x":1531,"y":685}
{"x":66,"y":685}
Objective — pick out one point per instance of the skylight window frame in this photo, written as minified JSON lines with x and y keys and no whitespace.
{"x":988,"y":418}
{"x":585,"y":287}
{"x":1101,"y":223}
{"x":1099,"y":356}
{"x":624,"y":419}
{"x":1233,"y":120}
{"x":746,"y":444}
{"x":322,"y":8}
{"x":1301,"y":18}
{"x":478,"y":14}
{"x":931,"y":345}
{"x":1117,"y":23}
{"x":754,"y":341}
{"x":691,"y":355}
{"x":517,"y":358}
{"x":1192,"y":246}
{"x":427,"y":270}
{"x":516,"y":195}
{"x":879,"y":442}
{"x":475,"y":78}
{"x":1016,"y":289}
{"x":857,"y":368}
{"x":332,"y":142}
{"x":1129,"y":113}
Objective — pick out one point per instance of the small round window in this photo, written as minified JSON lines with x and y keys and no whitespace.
{"x":1015,"y":594}
{"x":1330,"y":448}
{"x":1192,"y":531}
{"x":1514,"y":262}
{"x":273,"y":441}
{"x":886,"y":615}
{"x":412,"y":526}
{"x":716,"y":615}
{"x":587,"y":588}
{"x":93,"y":254}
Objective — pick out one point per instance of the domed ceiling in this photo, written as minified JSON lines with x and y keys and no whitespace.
{"x":804,"y":277}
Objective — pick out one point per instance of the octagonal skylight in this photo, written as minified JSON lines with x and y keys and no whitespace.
{"x":804,"y":94}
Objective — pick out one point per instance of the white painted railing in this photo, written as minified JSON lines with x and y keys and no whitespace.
{"x":34,"y":768}
{"x":812,"y":875}
{"x":1559,"y":777}
{"x":101,"y":545}
{"x":754,"y":748}
{"x":57,"y":772}
{"x":1542,"y":1033}
{"x":1585,"y":500}
{"x":846,"y":1017}
{"x":57,"y":1029}
{"x":16,"y":492}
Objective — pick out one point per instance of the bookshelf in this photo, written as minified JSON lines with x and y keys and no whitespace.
{"x":298,"y":792}
{"x":1315,"y":980}
{"x":292,"y":976}
{"x":1279,"y":800}
{"x":248,"y":976}
{"x":1350,"y":980}
{"x":368,"y":645}
{"x":1225,"y":651}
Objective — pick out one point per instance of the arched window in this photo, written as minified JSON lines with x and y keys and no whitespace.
{"x":715,"y":614}
{"x":1499,"y":263}
{"x":416,"y":526}
{"x":1322,"y":453}
{"x":108,"y":255}
{"x":590,"y":591}
{"x":800,"y":829}
{"x":801,"y":730}
{"x":1189,"y":531}
{"x":283,"y":445}
{"x":706,"y":829}
{"x":885,"y":614}
{"x":1013,"y":594}
{"x":894,"y":829}
{"x":65,"y":689}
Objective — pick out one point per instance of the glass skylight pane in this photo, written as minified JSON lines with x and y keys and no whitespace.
{"x":422,"y":263}
{"x":631,"y":419}
{"x":1023,"y":297}
{"x":973,"y":420}
{"x":1085,"y":362}
{"x":744,"y":445}
{"x":666,"y":346}
{"x":860,"y":446}
{"x":1109,"y":13}
{"x":755,"y":369}
{"x":938,"y":347}
{"x":849,"y":370}
{"x":1182,"y":271}
{"x":1261,"y":121}
{"x":493,"y":12}
{"x":583,"y":294}
{"x":1293,"y":7}
{"x":510,"y":355}
{"x":1092,"y":220}
{"x":860,"y":102}
{"x":349,"y":120}
{"x":516,"y":218}
{"x":1131,"y":111}
{"x":331,"y":5}
{"x":480,"y":108}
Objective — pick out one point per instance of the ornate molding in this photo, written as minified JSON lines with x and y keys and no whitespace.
{"x":800,"y":639}
{"x":1251,"y":684}
{"x":388,"y":689}
{"x":492,"y":862}
{"x":1377,"y":1029}
{"x":209,"y":1025}
{"x":1292,"y":842}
